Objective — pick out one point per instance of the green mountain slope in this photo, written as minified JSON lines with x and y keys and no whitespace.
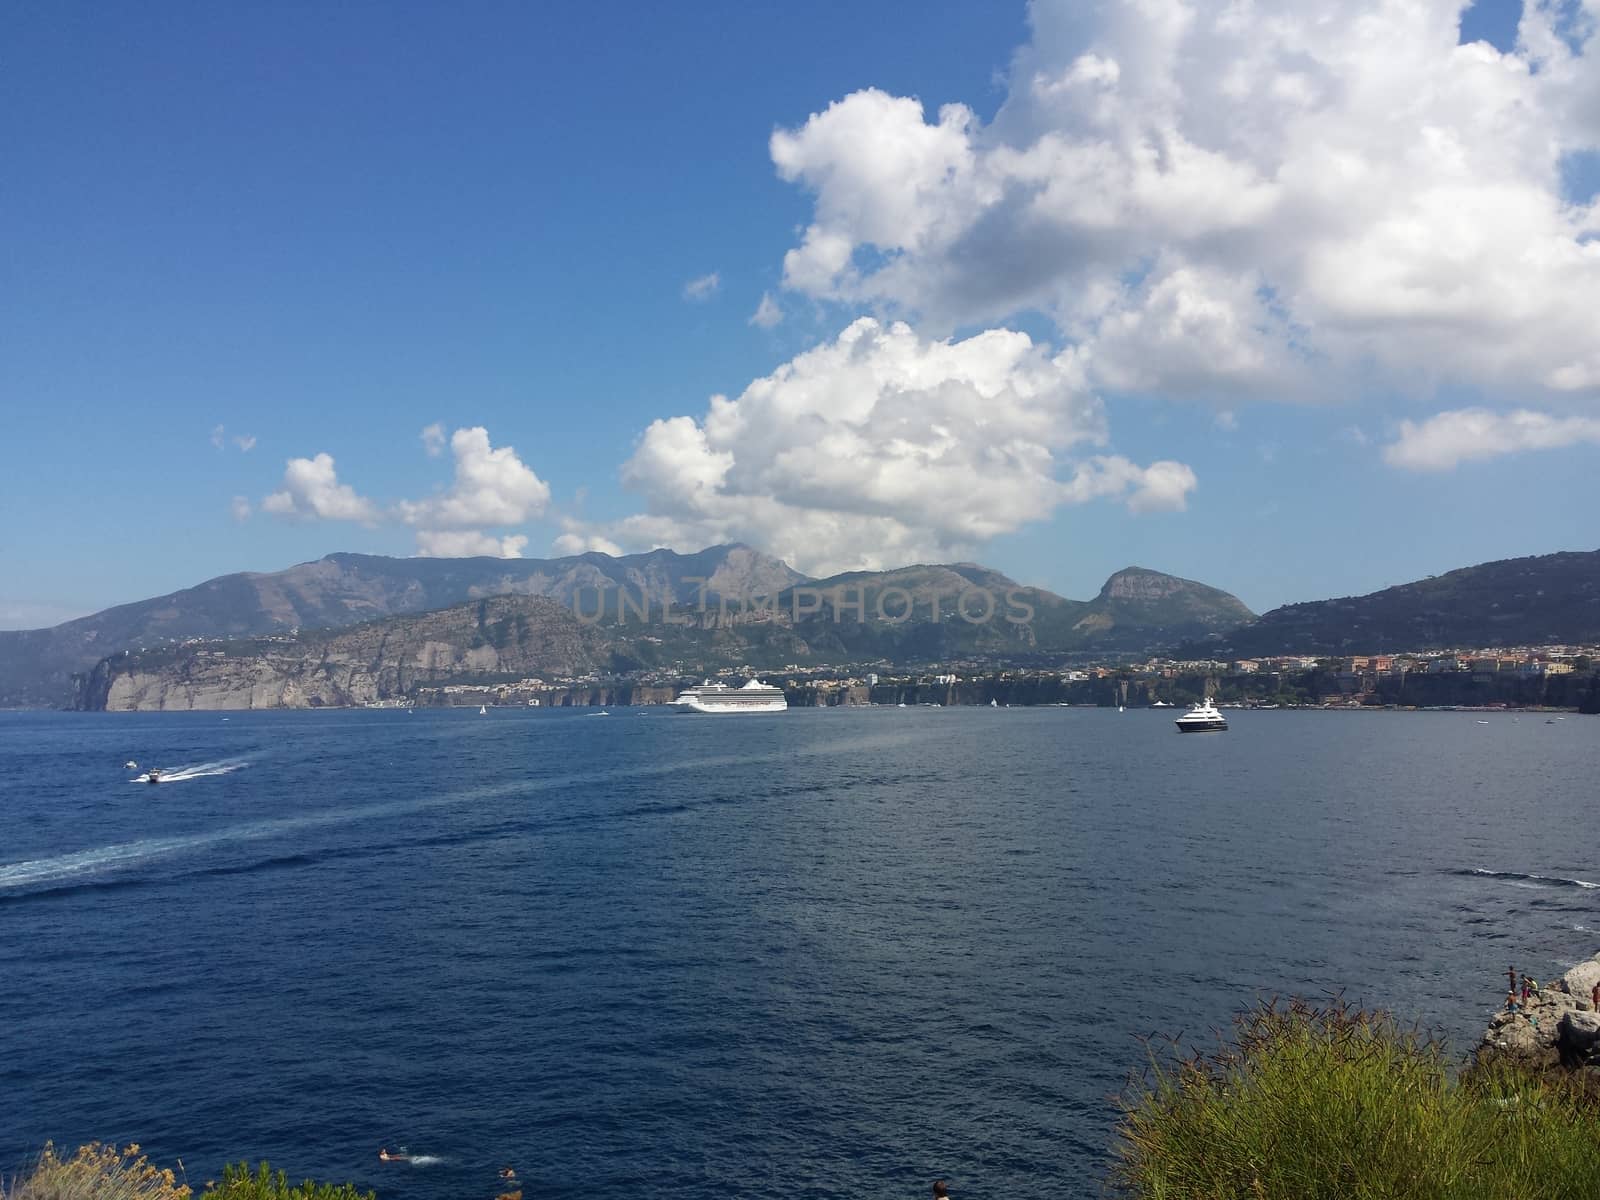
{"x":1139,"y":608}
{"x":1542,"y":600}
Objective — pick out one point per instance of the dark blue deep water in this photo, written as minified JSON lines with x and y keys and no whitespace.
{"x":835,"y":953}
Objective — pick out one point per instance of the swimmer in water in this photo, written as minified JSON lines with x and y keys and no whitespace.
{"x":385,"y":1156}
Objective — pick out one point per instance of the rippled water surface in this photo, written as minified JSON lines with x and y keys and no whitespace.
{"x":832,"y":952}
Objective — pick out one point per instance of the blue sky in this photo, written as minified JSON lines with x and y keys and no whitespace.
{"x":325,"y":228}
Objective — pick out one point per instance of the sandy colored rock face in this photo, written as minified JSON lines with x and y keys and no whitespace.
{"x":1580,"y":981}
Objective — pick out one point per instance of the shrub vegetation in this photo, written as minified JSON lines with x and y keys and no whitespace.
{"x":96,"y":1172}
{"x":1336,"y":1103}
{"x":101,"y":1172}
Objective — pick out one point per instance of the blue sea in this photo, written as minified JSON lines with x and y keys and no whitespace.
{"x":834,"y":952}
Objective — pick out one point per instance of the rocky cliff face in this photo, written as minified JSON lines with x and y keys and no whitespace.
{"x":37,"y":666}
{"x":507,"y":636}
{"x":1139,"y":607}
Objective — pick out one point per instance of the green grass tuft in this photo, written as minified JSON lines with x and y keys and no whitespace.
{"x":1336,"y":1103}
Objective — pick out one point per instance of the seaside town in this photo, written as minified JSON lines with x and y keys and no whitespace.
{"x":1556,"y":677}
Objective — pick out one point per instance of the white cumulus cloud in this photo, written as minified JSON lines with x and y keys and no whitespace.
{"x":312,"y":491}
{"x":1238,"y":198}
{"x":883,"y":447}
{"x":492,"y":487}
{"x":1448,"y":439}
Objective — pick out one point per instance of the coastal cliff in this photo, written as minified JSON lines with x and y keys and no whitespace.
{"x":501,"y":638}
{"x":1557,"y":1027}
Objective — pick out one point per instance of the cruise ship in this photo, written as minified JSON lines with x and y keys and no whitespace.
{"x":753,"y":697}
{"x":1202,"y":718}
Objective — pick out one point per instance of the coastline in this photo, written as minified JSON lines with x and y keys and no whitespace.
{"x":1557,"y":1026}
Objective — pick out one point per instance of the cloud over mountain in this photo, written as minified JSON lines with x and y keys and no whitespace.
{"x":312,"y":491}
{"x":1263,"y":198}
{"x":492,"y":487}
{"x":884,"y":447}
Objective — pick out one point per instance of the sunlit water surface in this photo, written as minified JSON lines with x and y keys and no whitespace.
{"x":834,"y":953}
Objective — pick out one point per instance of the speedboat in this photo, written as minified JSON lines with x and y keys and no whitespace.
{"x":1202,"y":718}
{"x":154,"y":776}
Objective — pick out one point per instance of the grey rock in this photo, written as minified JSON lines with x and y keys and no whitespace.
{"x":1578,"y":1037}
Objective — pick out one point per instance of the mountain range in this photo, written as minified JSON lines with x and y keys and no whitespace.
{"x":732,"y":604}
{"x":1136,"y":608}
{"x":37,"y":665}
{"x":1550,"y":599}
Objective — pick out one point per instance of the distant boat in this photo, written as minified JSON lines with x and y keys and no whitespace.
{"x":994,"y":704}
{"x":1161,"y":704}
{"x":131,"y":765}
{"x":154,"y":776}
{"x":1202,"y":718}
{"x":601,"y":713}
{"x":483,"y":710}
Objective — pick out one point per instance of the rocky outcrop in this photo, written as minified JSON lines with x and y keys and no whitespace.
{"x":506,"y":637}
{"x":1138,"y":605}
{"x":1558,"y":1025}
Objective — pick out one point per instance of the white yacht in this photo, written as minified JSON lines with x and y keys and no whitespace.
{"x":753,"y":697}
{"x":1202,"y":718}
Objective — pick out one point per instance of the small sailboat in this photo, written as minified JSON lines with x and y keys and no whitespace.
{"x":483,"y":710}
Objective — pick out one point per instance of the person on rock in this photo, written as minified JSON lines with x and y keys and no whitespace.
{"x":1594,"y":998}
